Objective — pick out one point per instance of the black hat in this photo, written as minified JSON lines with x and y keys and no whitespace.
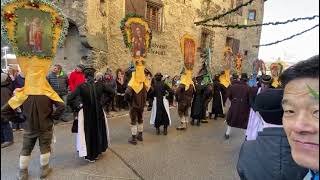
{"x":268,"y":104}
{"x":265,"y":79}
{"x":244,"y":76}
{"x":235,"y":76}
{"x":158,"y":74}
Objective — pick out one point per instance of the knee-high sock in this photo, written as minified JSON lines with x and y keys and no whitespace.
{"x":44,"y":159}
{"x":228,"y":130}
{"x":134,"y":129}
{"x":24,"y":162}
{"x":140,"y":127}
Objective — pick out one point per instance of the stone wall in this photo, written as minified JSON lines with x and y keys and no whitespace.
{"x":98,"y":23}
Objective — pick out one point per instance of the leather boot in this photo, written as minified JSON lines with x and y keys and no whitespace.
{"x":165,"y":130}
{"x":133,"y":140}
{"x":45,"y":171}
{"x":158,"y":131}
{"x":22,"y":174}
{"x":198,"y":122}
{"x":192,"y":122}
{"x":140,"y":137}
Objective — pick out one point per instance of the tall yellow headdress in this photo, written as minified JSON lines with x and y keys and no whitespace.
{"x":34,"y":29}
{"x":137,"y":37}
{"x":188,"y":48}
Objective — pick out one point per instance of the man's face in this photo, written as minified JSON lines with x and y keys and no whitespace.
{"x":55,"y":69}
{"x":301,"y":121}
{"x":78,"y":69}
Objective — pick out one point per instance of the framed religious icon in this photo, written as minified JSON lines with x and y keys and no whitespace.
{"x":276,"y":69}
{"x":136,"y":35}
{"x":188,"y":47}
{"x":34,"y":32}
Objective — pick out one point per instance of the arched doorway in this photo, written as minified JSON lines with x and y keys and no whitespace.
{"x":72,"y":51}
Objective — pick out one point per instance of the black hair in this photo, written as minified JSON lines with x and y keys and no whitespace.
{"x":304,"y":69}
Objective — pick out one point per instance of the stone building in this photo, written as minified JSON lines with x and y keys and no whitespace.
{"x":95,"y":32}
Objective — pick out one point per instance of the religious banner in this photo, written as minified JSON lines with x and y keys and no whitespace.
{"x":276,"y":70}
{"x":228,"y":56}
{"x":188,"y":49}
{"x":238,"y":63}
{"x":259,"y":66}
{"x":137,"y":37}
{"x":35,"y":29}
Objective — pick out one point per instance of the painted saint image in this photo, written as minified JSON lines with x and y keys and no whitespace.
{"x":138,"y":40}
{"x":189,"y":53}
{"x":34,"y":32}
{"x":228,"y":56}
{"x":238,"y":62}
{"x":258,"y":65}
{"x":276,"y":69}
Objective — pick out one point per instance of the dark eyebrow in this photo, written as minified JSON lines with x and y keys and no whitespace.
{"x":284,"y":101}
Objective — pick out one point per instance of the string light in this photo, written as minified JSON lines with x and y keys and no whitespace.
{"x":224,"y":14}
{"x":285,"y":39}
{"x":240,"y":26}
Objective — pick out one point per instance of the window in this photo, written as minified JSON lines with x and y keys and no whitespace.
{"x":246,"y":52}
{"x":252,"y":15}
{"x":153,"y":16}
{"x":135,"y":6}
{"x":206,"y":39}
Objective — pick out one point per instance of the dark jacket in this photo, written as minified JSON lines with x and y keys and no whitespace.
{"x":53,"y":81}
{"x":268,"y":157}
{"x":62,"y":79}
{"x":6,"y":93}
{"x":184,"y":98}
{"x":136,"y":101}
{"x":238,"y":114}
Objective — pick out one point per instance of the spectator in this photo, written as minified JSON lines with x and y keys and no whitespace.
{"x":121,"y":86}
{"x":76,"y":77}
{"x":301,"y":113}
{"x":18,"y":83}
{"x":112,"y":84}
{"x":269,"y":157}
{"x":6,"y":94}
{"x":62,"y":78}
{"x":52,"y":78}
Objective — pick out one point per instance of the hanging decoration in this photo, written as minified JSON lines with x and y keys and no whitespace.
{"x":30,"y":28}
{"x":224,"y":14}
{"x":188,"y":49}
{"x":276,"y":70}
{"x":244,"y":26}
{"x":238,"y":63}
{"x":137,"y":37}
{"x":205,"y":70}
{"x":288,"y":38}
{"x":228,"y":56}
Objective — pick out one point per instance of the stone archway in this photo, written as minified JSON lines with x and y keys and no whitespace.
{"x":73,"y":49}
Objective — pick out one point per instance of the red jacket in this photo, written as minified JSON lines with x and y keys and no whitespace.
{"x":75,"y":79}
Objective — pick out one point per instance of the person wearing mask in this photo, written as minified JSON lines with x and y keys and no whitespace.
{"x":238,"y":114}
{"x":160,"y":114}
{"x":301,"y":113}
{"x":93,"y":133}
{"x":217,"y":102}
{"x":269,"y":156}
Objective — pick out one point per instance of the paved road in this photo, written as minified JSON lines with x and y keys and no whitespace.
{"x":200,"y":153}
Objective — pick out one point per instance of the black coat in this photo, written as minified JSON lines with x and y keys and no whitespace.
{"x":158,"y":91}
{"x":238,"y":114}
{"x":217,"y":102}
{"x":89,"y":94}
{"x":198,"y":102}
{"x":268,"y":157}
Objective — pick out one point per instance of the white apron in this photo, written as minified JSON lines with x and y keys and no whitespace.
{"x":154,"y":110}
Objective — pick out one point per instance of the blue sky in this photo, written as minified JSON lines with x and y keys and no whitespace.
{"x":298,"y":48}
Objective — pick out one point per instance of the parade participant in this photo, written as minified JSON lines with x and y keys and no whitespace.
{"x":238,"y":114}
{"x":276,"y":160}
{"x":198,"y":101}
{"x":37,"y":96}
{"x":137,"y":37}
{"x":255,"y":124}
{"x":184,"y":98}
{"x":301,"y":113}
{"x":160,"y":114}
{"x":111,"y":82}
{"x":93,"y":133}
{"x":6,"y":94}
{"x":217,"y":102}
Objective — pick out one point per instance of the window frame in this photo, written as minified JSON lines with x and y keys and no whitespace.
{"x":159,"y":11}
{"x":255,"y":14}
